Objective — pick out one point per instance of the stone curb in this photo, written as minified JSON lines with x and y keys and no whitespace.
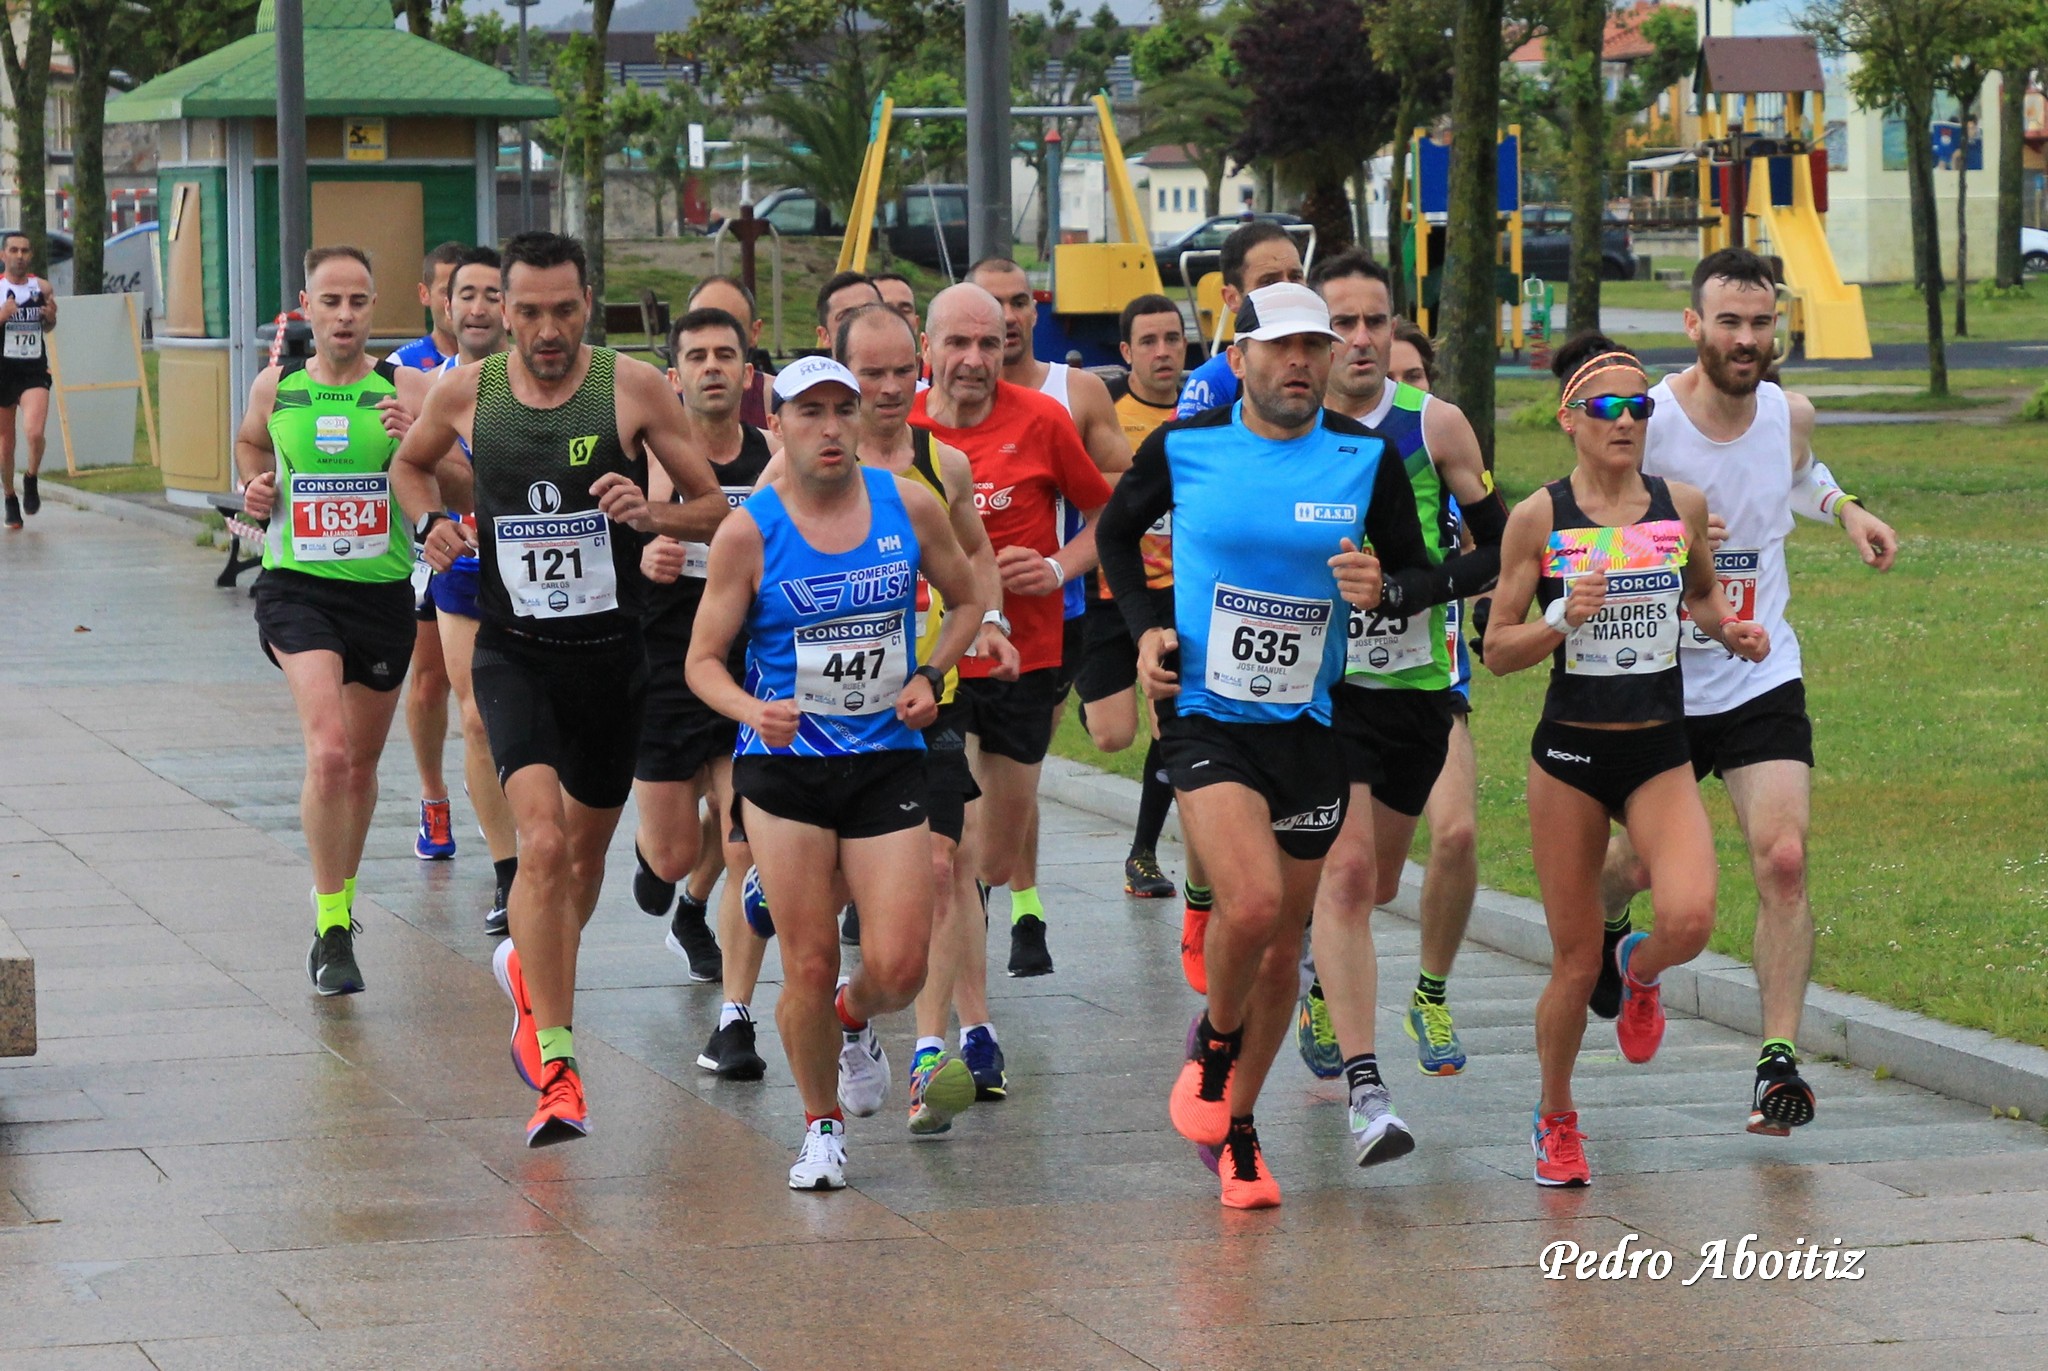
{"x":1964,"y":1063}
{"x":163,"y":520}
{"x":17,"y":996}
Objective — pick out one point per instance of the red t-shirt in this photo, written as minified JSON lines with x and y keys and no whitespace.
{"x":1024,"y":456}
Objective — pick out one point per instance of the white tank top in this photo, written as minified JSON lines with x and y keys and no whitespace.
{"x":24,"y":340}
{"x":1055,"y":384}
{"x":1748,"y":482}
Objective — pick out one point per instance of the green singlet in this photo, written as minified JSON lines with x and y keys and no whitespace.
{"x":335,"y":516}
{"x":1412,"y":653}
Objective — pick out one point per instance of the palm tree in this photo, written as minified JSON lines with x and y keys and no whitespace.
{"x":823,"y":134}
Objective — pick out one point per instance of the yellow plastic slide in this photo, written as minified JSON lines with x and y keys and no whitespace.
{"x":1831,"y":311}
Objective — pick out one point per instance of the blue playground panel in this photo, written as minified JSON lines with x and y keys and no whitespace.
{"x":1433,"y":181}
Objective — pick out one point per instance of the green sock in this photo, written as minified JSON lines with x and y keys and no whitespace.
{"x":1199,"y":896}
{"x":348,"y":892}
{"x":330,"y":911}
{"x":1783,"y":1045}
{"x":1430,"y":989}
{"x":1023,"y":902}
{"x":1619,"y":923}
{"x":556,"y":1043}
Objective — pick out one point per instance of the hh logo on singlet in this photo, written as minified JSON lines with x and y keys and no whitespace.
{"x":889,"y":543}
{"x":580,"y":450}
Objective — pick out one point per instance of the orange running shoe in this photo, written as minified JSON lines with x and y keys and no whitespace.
{"x":1560,"y":1150}
{"x":562,"y":1116}
{"x":1199,"y":1105}
{"x":525,"y":1033}
{"x":1194,"y":936}
{"x":1640,"y":1029}
{"x":1247,"y":1184}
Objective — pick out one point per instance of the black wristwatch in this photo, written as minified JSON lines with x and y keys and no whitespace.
{"x":935,"y":677}
{"x":427,"y":521}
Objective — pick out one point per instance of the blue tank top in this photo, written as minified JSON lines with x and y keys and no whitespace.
{"x":1255,"y":523}
{"x":836,"y":633}
{"x":1211,"y":384}
{"x":467,"y":563}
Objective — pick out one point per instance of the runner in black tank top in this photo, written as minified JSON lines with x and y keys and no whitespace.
{"x":560,"y":435}
{"x":1610,"y":555}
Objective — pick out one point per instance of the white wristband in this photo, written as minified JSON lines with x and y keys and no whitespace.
{"x":1058,"y":571}
{"x":1553,"y":615}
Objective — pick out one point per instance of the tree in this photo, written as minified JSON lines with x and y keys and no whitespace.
{"x":1192,"y":95}
{"x":938,"y":145}
{"x":584,"y":83}
{"x":1965,"y":83}
{"x":94,"y":32}
{"x":743,"y":44}
{"x":1410,"y":39}
{"x":486,"y":36}
{"x":418,"y":16}
{"x":1318,"y":120}
{"x":28,"y":86}
{"x":1054,"y":60}
{"x":1471,"y":306}
{"x":1906,"y":50}
{"x":821,"y":141}
{"x":2021,"y":46}
{"x":170,"y":35}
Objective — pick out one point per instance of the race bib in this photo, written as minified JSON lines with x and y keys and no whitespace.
{"x":24,"y":342}
{"x":556,"y":566}
{"x":1265,"y":648}
{"x":1636,"y":631}
{"x":697,"y":556}
{"x":851,"y":666}
{"x":1383,"y":645}
{"x":1736,"y":569}
{"x":340,"y":518}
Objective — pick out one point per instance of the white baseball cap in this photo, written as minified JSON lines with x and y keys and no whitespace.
{"x":1282,"y":310}
{"x":805,"y":372}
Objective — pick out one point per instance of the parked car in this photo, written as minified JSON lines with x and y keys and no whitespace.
{"x":61,"y":248}
{"x":913,"y":221}
{"x":1547,"y":245}
{"x":800,"y":214}
{"x":1206,"y":236}
{"x":2034,"y":249}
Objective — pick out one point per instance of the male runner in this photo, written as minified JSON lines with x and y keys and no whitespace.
{"x":1154,"y":347}
{"x":730,"y":294}
{"x":426,"y":700}
{"x":334,"y":603}
{"x":559,"y":433}
{"x":1027,"y":457}
{"x":839,"y":297}
{"x":1393,"y":711}
{"x":1749,"y":446}
{"x":476,"y":314}
{"x":1271,"y":498}
{"x":685,"y":745}
{"x":28,"y":310}
{"x":1256,"y":254}
{"x":898,"y":294}
{"x":1086,"y":400}
{"x":821,"y":569}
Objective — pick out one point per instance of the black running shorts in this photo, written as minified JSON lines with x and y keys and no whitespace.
{"x":1012,"y":718}
{"x":1073,"y":646}
{"x":1773,"y":727}
{"x":368,"y":624}
{"x":1109,"y":655}
{"x":1394,"y":741}
{"x":1293,"y":765}
{"x":863,"y":795}
{"x":574,"y":706}
{"x":1609,"y":764}
{"x":948,"y":782}
{"x":680,"y":735}
{"x":16,"y":382}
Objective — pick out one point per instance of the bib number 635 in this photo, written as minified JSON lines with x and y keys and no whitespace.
{"x":1265,"y":646}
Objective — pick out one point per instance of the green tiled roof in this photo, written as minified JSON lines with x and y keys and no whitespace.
{"x":356,"y":63}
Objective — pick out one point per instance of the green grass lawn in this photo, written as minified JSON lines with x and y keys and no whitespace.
{"x":1884,"y":402}
{"x":1894,"y":313}
{"x":1929,"y":858}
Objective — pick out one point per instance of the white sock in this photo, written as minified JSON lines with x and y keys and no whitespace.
{"x":730,"y":1013}
{"x":925,"y":1045}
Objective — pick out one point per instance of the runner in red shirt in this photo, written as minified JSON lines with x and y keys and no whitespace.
{"x":1025,"y":455}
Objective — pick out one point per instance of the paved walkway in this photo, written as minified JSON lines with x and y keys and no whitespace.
{"x":208,"y":1167}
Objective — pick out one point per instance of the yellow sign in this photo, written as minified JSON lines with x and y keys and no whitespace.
{"x":363,"y":140}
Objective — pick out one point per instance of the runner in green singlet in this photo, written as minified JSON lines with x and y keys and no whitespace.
{"x":334,"y":605}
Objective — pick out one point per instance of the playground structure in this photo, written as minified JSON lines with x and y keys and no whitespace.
{"x":1425,"y":213}
{"x":1763,"y":176}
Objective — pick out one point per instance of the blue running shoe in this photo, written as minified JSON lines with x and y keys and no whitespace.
{"x":1437,"y":1049}
{"x":941,"y":1087}
{"x":1315,"y":1037}
{"x":435,"y":841}
{"x":984,"y":1058}
{"x":754,"y":904}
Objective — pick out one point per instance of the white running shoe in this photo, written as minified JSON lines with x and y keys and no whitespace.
{"x":863,"y":1073}
{"x":821,"y":1162}
{"x":1377,"y":1133}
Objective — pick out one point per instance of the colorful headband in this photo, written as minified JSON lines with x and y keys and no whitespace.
{"x":1615,"y":361}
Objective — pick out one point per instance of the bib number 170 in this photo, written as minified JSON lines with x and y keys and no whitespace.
{"x":1265,"y":646}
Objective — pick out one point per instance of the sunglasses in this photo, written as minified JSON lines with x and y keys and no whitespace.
{"x":1608,"y":408}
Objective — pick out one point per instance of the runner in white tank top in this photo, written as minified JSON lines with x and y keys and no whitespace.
{"x":1748,"y":445}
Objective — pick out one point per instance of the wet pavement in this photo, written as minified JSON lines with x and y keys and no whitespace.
{"x":207,"y":1166}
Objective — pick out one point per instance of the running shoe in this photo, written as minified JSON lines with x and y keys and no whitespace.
{"x":1199,"y":1105}
{"x":1194,"y":938}
{"x":863,"y":1073}
{"x":650,"y":892}
{"x":690,"y":937}
{"x":731,"y":1054}
{"x":562,"y":1115}
{"x":1606,"y":1000}
{"x":984,"y":1058}
{"x":1247,"y":1184}
{"x":1782,"y":1101}
{"x":435,"y":842}
{"x":1377,"y":1133}
{"x":1144,"y":880}
{"x":1560,"y":1149}
{"x":1437,"y":1049}
{"x":941,"y":1086}
{"x":332,"y":962}
{"x":1028,"y":954}
{"x":31,"y":495}
{"x":498,"y":919}
{"x":849,"y":925}
{"x":525,"y":1033}
{"x":13,"y":512}
{"x":754,"y":904}
{"x":1640,"y":1029}
{"x":1315,"y":1037}
{"x":821,"y":1161}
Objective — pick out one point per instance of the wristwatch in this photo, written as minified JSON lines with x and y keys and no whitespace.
{"x":1553,"y":615}
{"x":999,"y":619}
{"x":934,"y":677}
{"x":426,"y":523}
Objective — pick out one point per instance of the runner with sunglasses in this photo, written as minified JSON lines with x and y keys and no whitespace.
{"x":1611,"y":555}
